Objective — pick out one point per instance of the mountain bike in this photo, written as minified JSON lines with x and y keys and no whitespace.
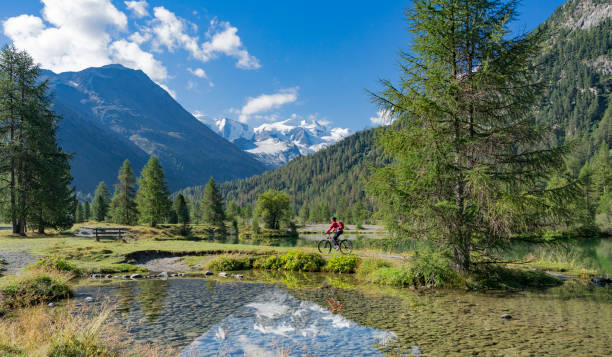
{"x":325,"y":245}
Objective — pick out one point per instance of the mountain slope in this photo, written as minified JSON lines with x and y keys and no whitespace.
{"x":577,"y":62}
{"x":331,"y":176}
{"x":112,"y":113}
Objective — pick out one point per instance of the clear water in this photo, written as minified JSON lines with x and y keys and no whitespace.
{"x":288,"y":314}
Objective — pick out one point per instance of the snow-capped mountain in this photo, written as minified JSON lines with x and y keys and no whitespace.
{"x":277,"y":143}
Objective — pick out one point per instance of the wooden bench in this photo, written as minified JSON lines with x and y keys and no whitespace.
{"x":113,"y":232}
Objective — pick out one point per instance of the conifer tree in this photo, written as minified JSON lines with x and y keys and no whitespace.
{"x":153,"y":197}
{"x":123,"y":208}
{"x":181,"y":209}
{"x":101,"y":203}
{"x":233,"y":210}
{"x":468,"y":162}
{"x":36,"y":169}
{"x":211,"y":206}
{"x":86,"y":211}
{"x":79,"y":213}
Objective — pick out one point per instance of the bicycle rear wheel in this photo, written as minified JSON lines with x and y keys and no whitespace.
{"x":346,"y":247}
{"x":324,"y":246}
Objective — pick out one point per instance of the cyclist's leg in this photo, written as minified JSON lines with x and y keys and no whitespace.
{"x":335,"y":237}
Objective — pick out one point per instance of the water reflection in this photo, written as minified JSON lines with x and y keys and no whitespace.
{"x":276,"y":321}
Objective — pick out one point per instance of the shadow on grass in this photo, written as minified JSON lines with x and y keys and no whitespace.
{"x":495,"y":277}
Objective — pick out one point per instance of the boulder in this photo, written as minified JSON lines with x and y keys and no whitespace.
{"x":208,"y":273}
{"x":223,"y":274}
{"x":506,"y":316}
{"x":89,"y":299}
{"x":135,"y":276}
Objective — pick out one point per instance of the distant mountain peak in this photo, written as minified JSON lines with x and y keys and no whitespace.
{"x":277,"y":143}
{"x":584,"y":14}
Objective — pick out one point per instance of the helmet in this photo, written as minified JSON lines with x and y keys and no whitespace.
{"x":333,"y":218}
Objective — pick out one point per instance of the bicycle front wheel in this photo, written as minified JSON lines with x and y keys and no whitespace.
{"x":324,"y":246}
{"x":346,"y":247}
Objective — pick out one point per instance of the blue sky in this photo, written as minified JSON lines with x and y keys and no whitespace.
{"x":249,"y":60}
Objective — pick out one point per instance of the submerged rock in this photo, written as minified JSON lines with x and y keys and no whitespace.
{"x":601,"y":281}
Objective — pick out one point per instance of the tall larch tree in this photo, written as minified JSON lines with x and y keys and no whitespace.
{"x":153,"y":197}
{"x":468,"y":166}
{"x":211,"y":206}
{"x":101,"y":203}
{"x":123,"y":208}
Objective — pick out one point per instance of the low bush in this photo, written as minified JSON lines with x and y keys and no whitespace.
{"x":57,"y":263}
{"x":428,"y":268}
{"x":342,"y":264}
{"x":369,"y":265}
{"x":33,"y":289}
{"x":231,"y":263}
{"x":293,"y":261}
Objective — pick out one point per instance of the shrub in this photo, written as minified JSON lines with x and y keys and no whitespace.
{"x":431,"y":267}
{"x":369,"y":265}
{"x":428,"y":267}
{"x":343,"y":264}
{"x":230,"y":263}
{"x":59,"y":264}
{"x":34,"y":289}
{"x":300,"y":261}
{"x":293,"y":261}
{"x":272,"y":262}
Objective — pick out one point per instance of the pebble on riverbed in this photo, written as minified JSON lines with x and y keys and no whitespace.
{"x":506,"y":316}
{"x":89,"y":299}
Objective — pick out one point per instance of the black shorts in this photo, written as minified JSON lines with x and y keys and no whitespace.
{"x":337,"y":234}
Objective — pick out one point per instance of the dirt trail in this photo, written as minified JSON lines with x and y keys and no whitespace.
{"x":17,"y":260}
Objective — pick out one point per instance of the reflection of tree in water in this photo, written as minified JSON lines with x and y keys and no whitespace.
{"x":125,"y":298}
{"x":151,"y":295}
{"x":210,"y":284}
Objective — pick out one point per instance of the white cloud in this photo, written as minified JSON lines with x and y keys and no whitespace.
{"x":200,"y":73}
{"x":170,"y":91}
{"x":223,"y":39}
{"x":139,"y":8}
{"x":383,"y":118}
{"x":76,"y":38}
{"x":266,"y":102}
{"x":170,"y":31}
{"x":131,"y":55}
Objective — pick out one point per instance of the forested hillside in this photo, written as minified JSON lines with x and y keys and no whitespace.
{"x":577,"y":62}
{"x":328,"y":181}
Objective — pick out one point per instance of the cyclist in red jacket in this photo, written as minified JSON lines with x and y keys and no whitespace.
{"x":338,"y":228}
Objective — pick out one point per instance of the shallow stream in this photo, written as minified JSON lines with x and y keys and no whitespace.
{"x":272,"y":314}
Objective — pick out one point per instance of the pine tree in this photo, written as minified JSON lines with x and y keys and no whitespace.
{"x":469,"y":164}
{"x":233,"y":210}
{"x":123,"y":208}
{"x":181,"y":209}
{"x":212,"y":206}
{"x":153,"y":197}
{"x":101,"y":203}
{"x":86,"y":211}
{"x":78,"y":216}
{"x":36,"y":169}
